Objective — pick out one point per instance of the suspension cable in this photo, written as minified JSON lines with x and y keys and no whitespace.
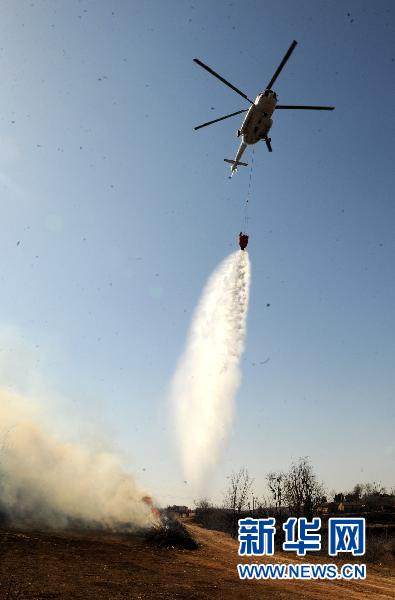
{"x":248,"y":197}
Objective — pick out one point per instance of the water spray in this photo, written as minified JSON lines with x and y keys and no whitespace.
{"x":208,"y":375}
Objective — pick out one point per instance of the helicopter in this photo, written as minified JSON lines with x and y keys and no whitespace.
{"x":258,"y":120}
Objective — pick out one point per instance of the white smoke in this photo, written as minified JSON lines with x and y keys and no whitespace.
{"x":208,"y":375}
{"x":46,"y":481}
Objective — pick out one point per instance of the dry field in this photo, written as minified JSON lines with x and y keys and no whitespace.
{"x":42,"y":565}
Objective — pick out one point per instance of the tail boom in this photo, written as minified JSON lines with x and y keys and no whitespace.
{"x":236,"y":162}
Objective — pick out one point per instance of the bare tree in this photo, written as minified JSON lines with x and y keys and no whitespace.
{"x":276,"y":485}
{"x":202,"y":504}
{"x":373,"y":489}
{"x":303,"y":493}
{"x":236,"y":496}
{"x":204,"y":512}
{"x":357,"y":491}
{"x":363,"y":492}
{"x":356,"y":494}
{"x":337,"y":497}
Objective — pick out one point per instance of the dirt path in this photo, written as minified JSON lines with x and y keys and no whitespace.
{"x":87,"y":566}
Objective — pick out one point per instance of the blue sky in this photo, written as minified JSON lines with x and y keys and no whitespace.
{"x":115,"y":212}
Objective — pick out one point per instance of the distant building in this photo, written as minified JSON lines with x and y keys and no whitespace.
{"x":374,"y":503}
{"x":354,"y":507}
{"x":381,"y":502}
{"x":330,"y":508}
{"x":181,"y":511}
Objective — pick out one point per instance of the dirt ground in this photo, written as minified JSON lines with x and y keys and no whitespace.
{"x":42,"y":565}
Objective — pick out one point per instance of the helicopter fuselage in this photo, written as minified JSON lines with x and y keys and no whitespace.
{"x":257,"y":122}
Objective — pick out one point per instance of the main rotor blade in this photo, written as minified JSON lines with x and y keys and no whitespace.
{"x":268,"y":144}
{"x":281,"y":65}
{"x":305,"y":107}
{"x":221,"y":118}
{"x":235,"y":89}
